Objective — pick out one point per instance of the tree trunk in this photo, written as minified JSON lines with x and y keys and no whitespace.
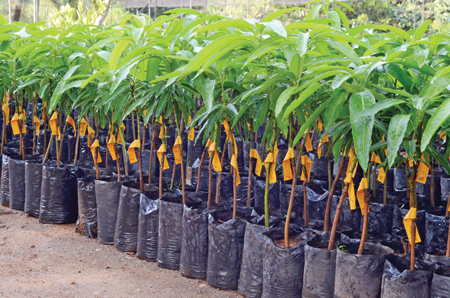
{"x":102,"y":17}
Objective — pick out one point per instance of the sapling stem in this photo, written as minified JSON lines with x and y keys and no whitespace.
{"x":250,"y":168}
{"x":152,"y":148}
{"x":331,"y":193}
{"x":219,"y":179}
{"x":338,"y":210}
{"x":199,"y":171}
{"x":291,"y":201}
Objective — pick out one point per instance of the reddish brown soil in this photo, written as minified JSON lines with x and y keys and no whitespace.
{"x":292,"y":243}
{"x":40,"y":260}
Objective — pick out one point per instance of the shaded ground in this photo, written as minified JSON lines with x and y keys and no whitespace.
{"x":40,"y":260}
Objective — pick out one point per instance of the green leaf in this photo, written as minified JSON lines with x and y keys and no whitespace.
{"x":438,"y":157}
{"x":362,"y":127}
{"x":335,"y":20}
{"x":116,"y":53}
{"x":334,"y":107}
{"x":282,"y":100}
{"x":303,"y":96}
{"x":421,"y":54}
{"x":437,"y":119}
{"x":302,"y":43}
{"x":343,"y":17}
{"x":3,"y":21}
{"x":213,"y":49}
{"x":277,"y":27}
{"x":396,"y":133}
{"x":278,"y":13}
{"x":399,"y":31}
{"x":311,"y":120}
{"x":381,"y":105}
{"x":421,"y":30}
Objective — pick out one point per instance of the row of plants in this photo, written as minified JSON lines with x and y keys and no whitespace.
{"x":371,"y":99}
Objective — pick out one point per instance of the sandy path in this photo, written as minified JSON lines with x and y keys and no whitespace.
{"x":40,"y":260}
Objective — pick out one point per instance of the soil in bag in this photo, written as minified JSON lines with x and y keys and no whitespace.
{"x":194,"y":243}
{"x":107,"y":197}
{"x":320,"y":267}
{"x":360,"y":275}
{"x":440,"y":286}
{"x":4,"y":191}
{"x":17,"y":184}
{"x":436,"y":231}
{"x":437,"y":259}
{"x":33,"y":183}
{"x":126,"y":232}
{"x":226,"y":243}
{"x":58,"y":196}
{"x":171,"y":228}
{"x":399,"y":281}
{"x":283,"y":267}
{"x":87,"y":208}
{"x":147,"y":240}
{"x":251,"y":277}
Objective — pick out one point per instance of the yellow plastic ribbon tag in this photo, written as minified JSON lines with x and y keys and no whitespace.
{"x":375,"y":158}
{"x":112,"y":148}
{"x":83,"y":126}
{"x":15,"y":124}
{"x":308,"y":164}
{"x":54,"y":126}
{"x":234,"y":164}
{"x":407,"y":222}
{"x":93,"y":146}
{"x":326,"y":139}
{"x":319,"y":149}
{"x":319,"y":125}
{"x":164,"y":163}
{"x":216,"y":160}
{"x":22,"y":118}
{"x":254,"y":154}
{"x":442,"y":135}
{"x":381,"y":175}
{"x":363,"y":185}
{"x":270,"y":171}
{"x":191,"y":134}
{"x":163,"y":128}
{"x":351,"y":191}
{"x":177,"y":151}
{"x":37,"y":125}
{"x":422,"y":173}
{"x":122,"y":127}
{"x":5,"y":109}
{"x":91,"y":132}
{"x":71,"y":122}
{"x":131,"y":152}
{"x":308,"y":143}
{"x":287,"y":169}
{"x":227,"y":129}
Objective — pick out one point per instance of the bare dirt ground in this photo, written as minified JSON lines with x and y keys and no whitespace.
{"x":38,"y":260}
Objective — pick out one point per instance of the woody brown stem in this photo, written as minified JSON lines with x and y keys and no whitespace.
{"x":330,"y":195}
{"x":336,"y":217}
{"x":152,"y":148}
{"x":199,"y":171}
{"x":219,"y":179}
{"x":365,"y":222}
{"x":291,"y":202}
